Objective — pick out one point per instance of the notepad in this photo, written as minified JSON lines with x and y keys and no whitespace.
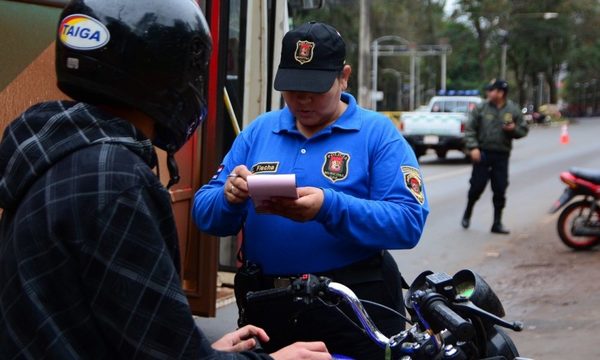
{"x":266,"y":186}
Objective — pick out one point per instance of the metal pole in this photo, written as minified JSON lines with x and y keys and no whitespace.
{"x":398,"y":91}
{"x":503,"y":61}
{"x":443,"y":75}
{"x":418,"y":82}
{"x":540,"y":88}
{"x":412,"y":78}
{"x":401,"y":93}
{"x":364,"y":98}
{"x":374,"y":74}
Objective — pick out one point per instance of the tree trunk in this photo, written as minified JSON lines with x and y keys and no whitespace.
{"x":481,"y":36}
{"x":550,"y":78}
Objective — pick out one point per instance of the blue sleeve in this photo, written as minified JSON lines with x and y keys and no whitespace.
{"x":212,"y":212}
{"x":393,"y":217}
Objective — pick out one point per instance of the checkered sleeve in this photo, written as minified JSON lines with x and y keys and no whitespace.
{"x":134,"y":285}
{"x":132,"y":282}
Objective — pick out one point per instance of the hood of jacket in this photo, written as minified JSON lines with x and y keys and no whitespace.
{"x":47,"y":132}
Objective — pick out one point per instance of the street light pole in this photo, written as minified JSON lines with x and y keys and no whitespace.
{"x":364,"y":40}
{"x":374,"y":75}
{"x":503,"y":60}
{"x":543,"y":15}
{"x":413,"y":65}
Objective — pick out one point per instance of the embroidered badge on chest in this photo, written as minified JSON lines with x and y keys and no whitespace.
{"x":265,"y":167}
{"x":304,"y":51}
{"x":413,"y":182}
{"x":335,"y":167}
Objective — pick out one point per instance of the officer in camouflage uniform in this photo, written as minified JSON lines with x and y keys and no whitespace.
{"x":489,"y":133}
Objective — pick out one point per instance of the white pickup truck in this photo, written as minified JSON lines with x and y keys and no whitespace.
{"x":441,"y":126}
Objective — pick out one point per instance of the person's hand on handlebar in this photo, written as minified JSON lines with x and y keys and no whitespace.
{"x":303,"y":350}
{"x":243,"y":339}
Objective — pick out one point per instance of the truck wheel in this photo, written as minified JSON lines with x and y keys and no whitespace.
{"x":418,"y":151}
{"x":441,"y":153}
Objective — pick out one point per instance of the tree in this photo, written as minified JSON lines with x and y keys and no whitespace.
{"x":483,"y":16}
{"x":583,"y":80}
{"x":463,"y":63}
{"x":537,"y":43}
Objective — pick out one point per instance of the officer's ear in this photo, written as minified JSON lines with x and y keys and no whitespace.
{"x":344,"y":77}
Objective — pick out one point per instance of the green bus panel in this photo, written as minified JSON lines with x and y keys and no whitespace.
{"x":25,"y":31}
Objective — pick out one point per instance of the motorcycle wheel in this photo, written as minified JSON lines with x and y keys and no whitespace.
{"x":574,"y":212}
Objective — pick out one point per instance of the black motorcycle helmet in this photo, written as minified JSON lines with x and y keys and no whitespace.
{"x":151,"y":55}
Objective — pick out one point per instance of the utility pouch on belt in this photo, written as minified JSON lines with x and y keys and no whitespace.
{"x":248,"y":278}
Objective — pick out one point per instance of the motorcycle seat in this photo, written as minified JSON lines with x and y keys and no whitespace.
{"x":587,"y":174}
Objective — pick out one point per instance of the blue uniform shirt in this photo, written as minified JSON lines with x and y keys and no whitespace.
{"x":373,"y":192}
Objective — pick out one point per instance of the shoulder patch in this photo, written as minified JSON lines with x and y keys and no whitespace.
{"x":265,"y":167}
{"x":335,"y":166}
{"x":414,"y":183}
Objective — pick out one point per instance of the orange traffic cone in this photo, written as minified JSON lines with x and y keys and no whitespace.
{"x":564,"y":134}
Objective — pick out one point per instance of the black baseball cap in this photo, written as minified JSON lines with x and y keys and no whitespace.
{"x":312,"y":56}
{"x":497,"y":84}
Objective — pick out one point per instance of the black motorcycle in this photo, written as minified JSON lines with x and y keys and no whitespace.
{"x":456,"y":317}
{"x":579,"y":223}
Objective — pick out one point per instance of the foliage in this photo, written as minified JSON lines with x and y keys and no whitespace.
{"x":543,"y":38}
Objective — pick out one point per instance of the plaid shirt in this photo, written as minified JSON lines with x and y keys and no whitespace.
{"x":88,"y":245}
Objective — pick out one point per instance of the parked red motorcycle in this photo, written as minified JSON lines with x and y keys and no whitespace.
{"x":579,"y":223}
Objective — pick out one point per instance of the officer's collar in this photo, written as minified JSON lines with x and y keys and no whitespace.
{"x":348,"y":120}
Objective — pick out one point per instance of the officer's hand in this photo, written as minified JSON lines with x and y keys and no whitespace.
{"x":303,"y":350}
{"x":475,"y":155}
{"x":242,"y":339}
{"x":509,"y":126}
{"x":305,"y":208}
{"x":236,"y":187}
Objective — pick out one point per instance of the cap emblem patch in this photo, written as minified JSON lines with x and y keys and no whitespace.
{"x":304,"y":51}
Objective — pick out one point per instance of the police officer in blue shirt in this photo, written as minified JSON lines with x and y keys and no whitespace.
{"x":360,"y":192}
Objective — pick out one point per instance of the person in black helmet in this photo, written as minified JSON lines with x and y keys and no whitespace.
{"x":89,"y":258}
{"x":489,"y":133}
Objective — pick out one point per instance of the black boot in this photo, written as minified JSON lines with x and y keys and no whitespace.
{"x":466,"y":219}
{"x":498,"y":228}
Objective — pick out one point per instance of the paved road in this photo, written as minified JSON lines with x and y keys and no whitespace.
{"x":535,"y":164}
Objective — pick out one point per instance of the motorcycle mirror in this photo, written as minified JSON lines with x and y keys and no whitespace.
{"x":469,"y":285}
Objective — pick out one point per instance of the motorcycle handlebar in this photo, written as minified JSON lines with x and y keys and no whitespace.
{"x":268,"y":294}
{"x":309,"y":287}
{"x":446,"y":318}
{"x":433,"y":305}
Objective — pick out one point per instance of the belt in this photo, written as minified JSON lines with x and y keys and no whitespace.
{"x":365,"y":270}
